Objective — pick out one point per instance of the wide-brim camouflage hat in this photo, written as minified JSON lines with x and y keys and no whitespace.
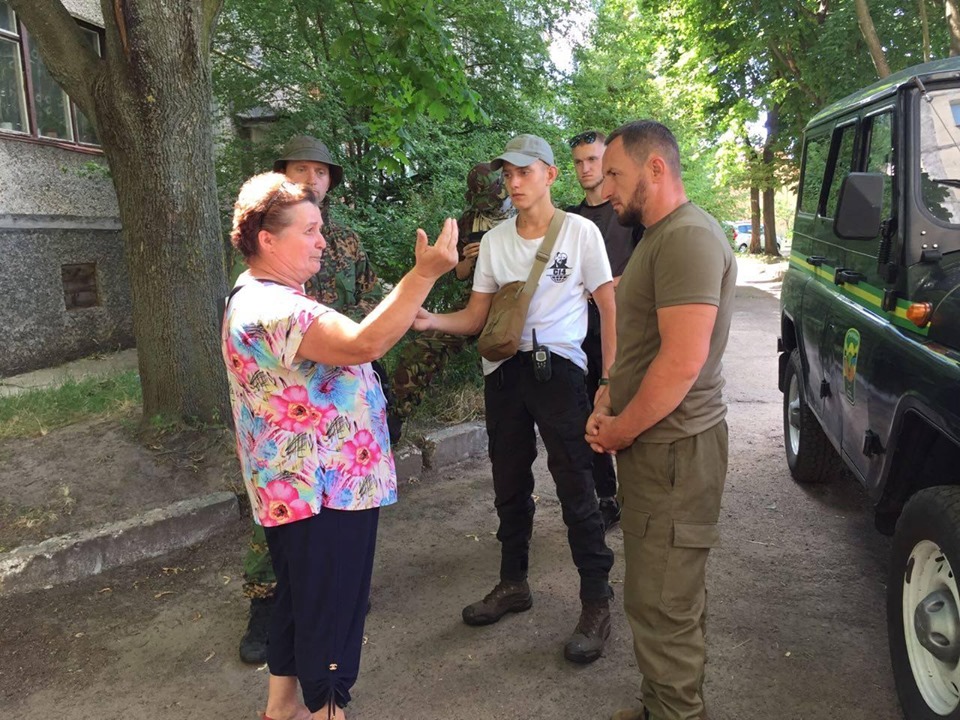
{"x":304,"y":147}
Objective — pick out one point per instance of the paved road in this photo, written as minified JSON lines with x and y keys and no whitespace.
{"x":796,"y":629}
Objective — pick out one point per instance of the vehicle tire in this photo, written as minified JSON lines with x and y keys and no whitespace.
{"x":742,"y":248}
{"x":922,"y":588}
{"x":810,"y":456}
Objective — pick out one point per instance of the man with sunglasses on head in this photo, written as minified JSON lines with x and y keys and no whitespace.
{"x":587,"y":150}
{"x":346,"y":283}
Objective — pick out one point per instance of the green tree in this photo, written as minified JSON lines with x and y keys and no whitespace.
{"x":408,"y":99}
{"x":635,"y":65}
{"x":149,"y":98}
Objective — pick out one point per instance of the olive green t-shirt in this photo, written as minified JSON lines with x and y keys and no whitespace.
{"x":683,"y":259}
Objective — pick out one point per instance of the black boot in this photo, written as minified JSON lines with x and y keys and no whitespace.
{"x":586,"y":643}
{"x":506,"y":597}
{"x":253,"y":646}
{"x":610,"y":512}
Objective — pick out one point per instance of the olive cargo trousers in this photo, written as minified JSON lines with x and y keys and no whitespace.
{"x":670,"y":495}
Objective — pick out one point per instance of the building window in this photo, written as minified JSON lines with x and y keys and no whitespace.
{"x":31,"y":102}
{"x":80,"y":286}
{"x":955,"y":109}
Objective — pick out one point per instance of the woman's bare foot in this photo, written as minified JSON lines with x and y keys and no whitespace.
{"x":325,"y":713}
{"x":296,"y":712}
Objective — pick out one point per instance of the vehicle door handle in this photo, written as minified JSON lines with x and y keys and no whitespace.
{"x":816,"y":260}
{"x":842,"y":275}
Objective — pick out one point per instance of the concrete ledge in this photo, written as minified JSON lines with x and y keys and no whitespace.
{"x":57,"y":222}
{"x":77,"y":555}
{"x":409,"y":462}
{"x":454,"y":444}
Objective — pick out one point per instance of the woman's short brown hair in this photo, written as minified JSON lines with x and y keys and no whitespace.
{"x":262,"y":205}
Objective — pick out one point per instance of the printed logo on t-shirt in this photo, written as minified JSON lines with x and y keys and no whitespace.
{"x":559,"y":268}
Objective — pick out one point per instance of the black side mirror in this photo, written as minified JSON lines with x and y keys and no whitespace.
{"x":860,"y":206}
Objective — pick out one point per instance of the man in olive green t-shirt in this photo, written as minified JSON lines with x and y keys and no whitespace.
{"x":664,"y":414}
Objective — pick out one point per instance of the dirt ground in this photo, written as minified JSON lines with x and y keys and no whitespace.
{"x":99,"y":471}
{"x":796,"y":629}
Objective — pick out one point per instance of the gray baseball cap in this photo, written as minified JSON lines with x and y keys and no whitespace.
{"x":524,"y":150}
{"x":304,"y":147}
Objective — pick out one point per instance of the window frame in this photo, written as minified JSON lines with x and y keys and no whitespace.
{"x":820,"y":135}
{"x":33,"y":136}
{"x":836,"y":145}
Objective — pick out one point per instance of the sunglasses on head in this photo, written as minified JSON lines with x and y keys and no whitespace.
{"x":285,"y":186}
{"x":583,"y":138}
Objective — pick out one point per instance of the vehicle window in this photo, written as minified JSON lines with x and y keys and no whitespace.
{"x":940,"y":155}
{"x":814,"y":164}
{"x":880,"y":156}
{"x":842,"y":167}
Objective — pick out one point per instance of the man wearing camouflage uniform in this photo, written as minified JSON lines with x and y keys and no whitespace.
{"x":425,"y":355}
{"x":346,"y":283}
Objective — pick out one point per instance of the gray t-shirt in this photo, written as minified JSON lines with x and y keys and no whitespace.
{"x":683,"y":259}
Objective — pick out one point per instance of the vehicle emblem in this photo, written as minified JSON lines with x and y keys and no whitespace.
{"x":851,"y":350}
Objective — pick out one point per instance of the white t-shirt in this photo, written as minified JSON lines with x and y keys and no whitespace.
{"x":558,"y":310}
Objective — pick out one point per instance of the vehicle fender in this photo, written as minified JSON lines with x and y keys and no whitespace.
{"x":894,"y":489}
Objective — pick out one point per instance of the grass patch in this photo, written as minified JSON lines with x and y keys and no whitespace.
{"x":35,"y":413}
{"x":455,"y":394}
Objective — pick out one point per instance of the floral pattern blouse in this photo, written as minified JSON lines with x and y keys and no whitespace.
{"x":308,"y":435}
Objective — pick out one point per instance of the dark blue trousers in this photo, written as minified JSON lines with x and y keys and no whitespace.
{"x":323,"y":568}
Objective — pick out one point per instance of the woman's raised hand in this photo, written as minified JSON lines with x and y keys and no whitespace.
{"x":441,"y":257}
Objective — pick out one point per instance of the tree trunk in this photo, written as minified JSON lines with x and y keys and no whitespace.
{"x":755,"y":220}
{"x":769,"y":185}
{"x":924,"y":29}
{"x":952,"y":12}
{"x":869,"y":32}
{"x":151,"y":100}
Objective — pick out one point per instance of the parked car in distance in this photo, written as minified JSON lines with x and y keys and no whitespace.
{"x":740,"y":238}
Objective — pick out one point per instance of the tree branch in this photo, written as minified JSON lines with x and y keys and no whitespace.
{"x":790,"y":64}
{"x":60,"y":42}
{"x":211,"y":13}
{"x":869,"y":32}
{"x":952,"y":17}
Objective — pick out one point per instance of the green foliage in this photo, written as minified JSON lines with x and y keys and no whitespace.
{"x":639,"y":65}
{"x":90,"y":170}
{"x":408,"y":97}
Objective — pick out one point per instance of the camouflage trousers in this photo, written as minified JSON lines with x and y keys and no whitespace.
{"x":259,"y":578}
{"x":419,"y":362}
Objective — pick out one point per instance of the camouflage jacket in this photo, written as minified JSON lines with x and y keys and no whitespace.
{"x":347,"y":281}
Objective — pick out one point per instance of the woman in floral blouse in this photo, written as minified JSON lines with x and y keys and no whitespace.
{"x":312,"y":435}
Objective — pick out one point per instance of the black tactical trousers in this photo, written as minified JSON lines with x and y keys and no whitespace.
{"x":559,"y":407}
{"x":604,"y":475}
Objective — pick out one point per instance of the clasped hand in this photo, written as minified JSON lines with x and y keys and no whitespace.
{"x":604,"y":431}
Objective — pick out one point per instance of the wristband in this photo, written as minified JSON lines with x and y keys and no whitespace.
{"x":604,"y":381}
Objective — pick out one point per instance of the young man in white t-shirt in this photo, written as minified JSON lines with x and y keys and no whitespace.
{"x":515,"y":400}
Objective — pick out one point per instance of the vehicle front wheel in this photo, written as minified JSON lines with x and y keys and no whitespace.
{"x":742,"y":248}
{"x":810,"y":456}
{"x":923,"y":621}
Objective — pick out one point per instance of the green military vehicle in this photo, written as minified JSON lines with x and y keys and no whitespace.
{"x":870,"y":348}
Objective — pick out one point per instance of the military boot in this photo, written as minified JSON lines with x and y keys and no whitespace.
{"x":253,"y":646}
{"x":505,"y":598}
{"x":641,"y":713}
{"x":631,"y":714}
{"x":610,"y":512}
{"x":586,"y":643}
